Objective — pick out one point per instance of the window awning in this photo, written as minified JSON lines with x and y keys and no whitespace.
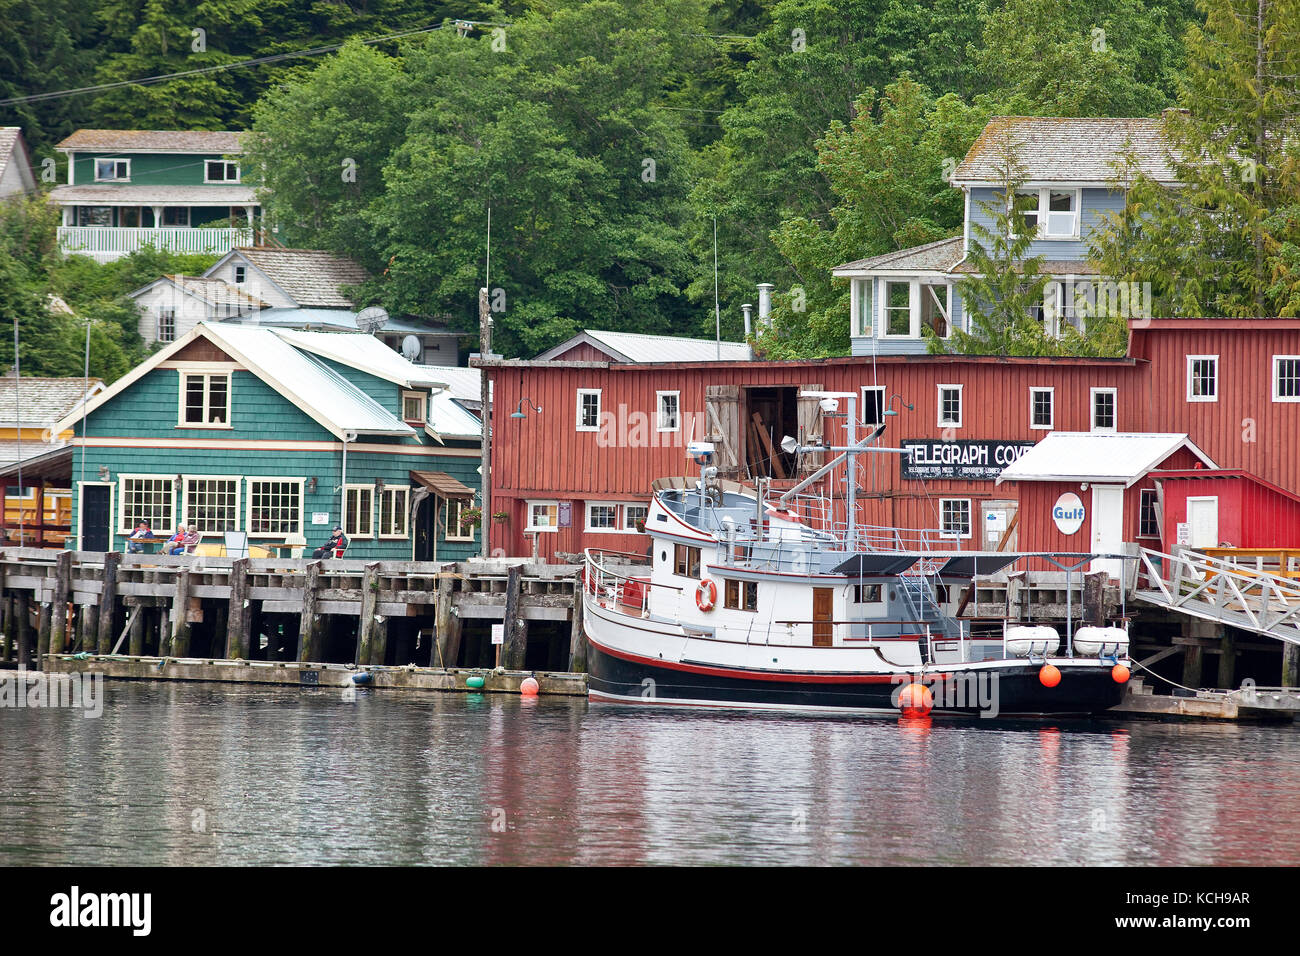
{"x":441,"y":483}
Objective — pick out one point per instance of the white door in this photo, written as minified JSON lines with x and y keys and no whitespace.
{"x":1108,"y":526}
{"x":1203,"y":519}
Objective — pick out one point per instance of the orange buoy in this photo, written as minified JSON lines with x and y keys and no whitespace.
{"x":1049,"y":676}
{"x":915,"y":700}
{"x":1119,"y":673}
{"x":528,"y":687}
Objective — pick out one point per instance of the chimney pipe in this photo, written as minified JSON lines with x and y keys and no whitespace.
{"x":765,"y":303}
{"x":748,"y":309}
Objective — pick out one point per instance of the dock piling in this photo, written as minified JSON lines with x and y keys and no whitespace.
{"x":108,"y":601}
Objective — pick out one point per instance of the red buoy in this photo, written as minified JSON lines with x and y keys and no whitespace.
{"x":1119,"y":674}
{"x":915,"y":700}
{"x":528,"y":687}
{"x":1049,"y":676}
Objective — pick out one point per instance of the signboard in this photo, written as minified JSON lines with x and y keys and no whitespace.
{"x":995,"y":523}
{"x":1184,"y":533}
{"x":962,"y":460}
{"x":1068,"y":513}
{"x":566,"y":514}
{"x":498,"y":633}
{"x":320,"y":517}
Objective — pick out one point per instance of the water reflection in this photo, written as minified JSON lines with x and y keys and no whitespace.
{"x":175,"y":774}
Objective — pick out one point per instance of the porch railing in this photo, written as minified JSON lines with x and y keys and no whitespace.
{"x":104,"y":243}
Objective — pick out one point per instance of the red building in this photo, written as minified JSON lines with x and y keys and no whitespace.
{"x":577,"y":473}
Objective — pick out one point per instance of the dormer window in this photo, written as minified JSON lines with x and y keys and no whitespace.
{"x":112,"y":170}
{"x":220,"y":171}
{"x":414,"y":408}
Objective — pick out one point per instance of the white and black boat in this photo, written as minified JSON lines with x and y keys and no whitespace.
{"x":746,"y":602}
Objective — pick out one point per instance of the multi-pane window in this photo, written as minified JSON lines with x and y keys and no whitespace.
{"x":602,"y":517}
{"x":359,"y":508}
{"x":669,"y":411}
{"x":1148,"y":520}
{"x":1202,"y":378}
{"x":686,"y":561}
{"x":176,"y":215}
{"x":1041,"y":410}
{"x":543,"y":516}
{"x":588,"y":409}
{"x":950,"y":406}
{"x":1103,"y":410}
{"x":94,"y":215}
{"x":274,"y":506}
{"x":147,"y":499}
{"x":954,"y":517}
{"x":413,"y":408}
{"x":1286,"y":378}
{"x":393,"y":512}
{"x":898,"y":308}
{"x":1049,"y":213}
{"x":166,"y":325}
{"x":212,"y":504}
{"x":112,"y":170}
{"x":220,"y":171}
{"x":741,"y":595}
{"x":634,"y":515}
{"x":241,"y":273}
{"x":455,"y":530}
{"x":205,"y":399}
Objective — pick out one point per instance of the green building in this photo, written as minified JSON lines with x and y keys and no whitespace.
{"x":282,"y":434}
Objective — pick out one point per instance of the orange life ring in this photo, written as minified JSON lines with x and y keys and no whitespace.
{"x":706,"y":595}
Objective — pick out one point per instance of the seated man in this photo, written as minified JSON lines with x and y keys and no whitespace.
{"x":336,"y":543}
{"x":142,"y":530}
{"x":176,"y":543}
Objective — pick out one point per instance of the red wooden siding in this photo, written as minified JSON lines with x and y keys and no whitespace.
{"x":1251,"y":514}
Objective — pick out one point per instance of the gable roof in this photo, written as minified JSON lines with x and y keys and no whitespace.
{"x":14,"y":150}
{"x":43,"y":401}
{"x":1105,"y":457}
{"x":153,"y":141}
{"x":361,"y":351}
{"x":317,"y":390}
{"x":310,"y":277}
{"x":215,"y":292}
{"x":447,"y":419}
{"x":652,"y":349}
{"x":1067,"y":149}
{"x":939,"y":256}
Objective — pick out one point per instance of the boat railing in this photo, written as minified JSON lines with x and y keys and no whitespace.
{"x":630,"y":591}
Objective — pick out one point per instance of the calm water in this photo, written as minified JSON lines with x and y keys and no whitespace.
{"x":175,"y":774}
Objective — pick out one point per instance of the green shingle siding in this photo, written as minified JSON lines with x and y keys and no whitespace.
{"x":147,"y":169}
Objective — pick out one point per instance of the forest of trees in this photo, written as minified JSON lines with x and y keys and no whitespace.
{"x":608,"y":137}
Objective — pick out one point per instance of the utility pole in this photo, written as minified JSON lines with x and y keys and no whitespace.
{"x":485,"y":469}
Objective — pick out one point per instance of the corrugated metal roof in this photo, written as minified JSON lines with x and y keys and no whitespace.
{"x":466,"y":384}
{"x":1066,"y":149}
{"x":448,"y":419}
{"x":1103,"y":457}
{"x":654,"y":349}
{"x":361,"y":351}
{"x":311,"y":277}
{"x":136,"y":195}
{"x":937,"y":256}
{"x":154,"y":140}
{"x":43,"y":400}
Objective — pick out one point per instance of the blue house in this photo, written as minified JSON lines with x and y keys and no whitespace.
{"x":1068,"y":185}
{"x":281,"y":434}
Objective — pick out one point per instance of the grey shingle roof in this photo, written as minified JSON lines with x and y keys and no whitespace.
{"x":217,"y":292}
{"x":309,"y":276}
{"x":128,"y":195}
{"x":1056,"y":149}
{"x":44,"y":400}
{"x":937,"y":256}
{"x":8,"y":142}
{"x":154,"y":140}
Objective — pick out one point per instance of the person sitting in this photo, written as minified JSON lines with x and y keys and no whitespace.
{"x":142,"y":530}
{"x":192,"y":539}
{"x":176,"y":543}
{"x":336,"y":543}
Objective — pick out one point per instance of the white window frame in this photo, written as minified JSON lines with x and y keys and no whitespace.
{"x":587,"y":526}
{"x":248,"y":504}
{"x":1276,"y":377}
{"x":1043,"y":211}
{"x":122,"y":479}
{"x":921,"y":286}
{"x":350,"y":532}
{"x":405,"y":492}
{"x":659,"y":411}
{"x":240,"y":274}
{"x":579,"y":426}
{"x":423,"y":399}
{"x":864,"y":307}
{"x":961,"y":406}
{"x":913,"y":309}
{"x":1155,"y":503}
{"x":115,"y":178}
{"x":188,"y":520}
{"x":447,"y":531}
{"x":862,"y":408}
{"x":227,"y":163}
{"x":1092,"y":409}
{"x":208,"y":375}
{"x":1051,"y":393}
{"x":628,"y":523}
{"x":530,"y":505}
{"x":1191,"y":363}
{"x":970,"y":520}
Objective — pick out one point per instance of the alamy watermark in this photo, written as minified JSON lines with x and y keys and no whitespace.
{"x":38,"y":690}
{"x":973,"y":690}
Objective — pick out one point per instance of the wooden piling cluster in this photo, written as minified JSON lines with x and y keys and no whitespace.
{"x":364,"y":613}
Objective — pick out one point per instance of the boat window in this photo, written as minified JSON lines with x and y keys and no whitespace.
{"x":742,"y":595}
{"x":866,"y":593}
{"x":687,"y":561}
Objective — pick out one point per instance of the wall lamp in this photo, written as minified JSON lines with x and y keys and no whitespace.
{"x":890,"y":411}
{"x":103,"y":472}
{"x":311,"y":485}
{"x":519,"y":409}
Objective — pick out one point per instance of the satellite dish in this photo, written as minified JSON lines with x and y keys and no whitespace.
{"x":372,"y":319}
{"x":410,"y":348}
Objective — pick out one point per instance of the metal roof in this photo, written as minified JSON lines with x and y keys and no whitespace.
{"x":136,"y":195}
{"x":466,"y":384}
{"x":1101,"y":457}
{"x":441,"y":483}
{"x":937,"y":256}
{"x":1066,"y":149}
{"x":154,"y":141}
{"x":448,"y":419}
{"x":361,"y":351}
{"x":653,"y":349}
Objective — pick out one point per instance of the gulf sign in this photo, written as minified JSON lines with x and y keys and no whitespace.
{"x":1068,"y":513}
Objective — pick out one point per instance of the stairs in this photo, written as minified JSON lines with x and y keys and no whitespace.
{"x":1217,"y":590}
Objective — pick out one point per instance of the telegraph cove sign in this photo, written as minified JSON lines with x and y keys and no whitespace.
{"x":929,"y":459}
